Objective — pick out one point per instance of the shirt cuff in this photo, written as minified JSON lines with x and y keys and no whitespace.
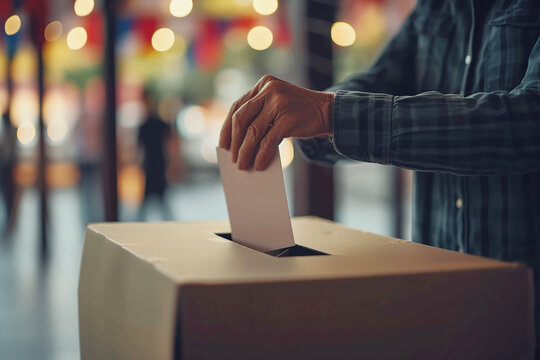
{"x":363,"y":125}
{"x":318,"y":150}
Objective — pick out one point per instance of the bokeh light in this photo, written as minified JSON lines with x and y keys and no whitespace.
{"x":208,"y":149}
{"x":286,"y":152}
{"x":12,"y":25}
{"x":230,"y":84}
{"x":131,"y":185}
{"x":191,"y":121}
{"x":260,"y":38}
{"x":62,"y":174}
{"x":3,"y":100}
{"x":373,"y":25}
{"x":57,"y":130}
{"x":265,"y":7}
{"x":25,"y":173}
{"x":343,"y":34}
{"x":53,"y":31}
{"x":76,"y":38}
{"x":163,"y":39}
{"x":61,"y":103}
{"x":26,"y":133}
{"x":24,"y":66}
{"x":83,"y":7}
{"x":130,"y":114}
{"x":180,"y":8}
{"x":24,"y":107}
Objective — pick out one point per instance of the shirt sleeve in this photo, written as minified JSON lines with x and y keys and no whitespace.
{"x":392,"y":72}
{"x":481,"y":134}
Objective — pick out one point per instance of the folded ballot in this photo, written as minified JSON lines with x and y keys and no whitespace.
{"x":257,"y":204}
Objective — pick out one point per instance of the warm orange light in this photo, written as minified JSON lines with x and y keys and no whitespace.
{"x":24,"y":66}
{"x":83,"y":7}
{"x":260,"y":37}
{"x":12,"y":25}
{"x":3,"y":100}
{"x":265,"y":7}
{"x":373,"y":25}
{"x":343,"y":34}
{"x":163,"y":39}
{"x":131,"y":185}
{"x":62,"y":174}
{"x":26,"y":133}
{"x":53,"y":31}
{"x":76,"y":38}
{"x":180,"y":8}
{"x":286,"y":152}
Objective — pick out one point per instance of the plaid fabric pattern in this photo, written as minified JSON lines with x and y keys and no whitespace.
{"x":465,"y":114}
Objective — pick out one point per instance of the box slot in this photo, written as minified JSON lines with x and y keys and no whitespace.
{"x":296,"y":250}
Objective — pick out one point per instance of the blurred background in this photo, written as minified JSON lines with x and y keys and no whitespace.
{"x":111,"y":111}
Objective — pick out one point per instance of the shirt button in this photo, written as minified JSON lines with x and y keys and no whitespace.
{"x":459,"y":203}
{"x":468,"y":59}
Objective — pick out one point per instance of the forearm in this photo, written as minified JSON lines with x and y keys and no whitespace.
{"x":485,"y":133}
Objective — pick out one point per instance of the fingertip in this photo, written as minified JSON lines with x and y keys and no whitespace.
{"x":260,"y":165}
{"x":241,"y":163}
{"x":223,"y":144}
{"x":224,"y":141}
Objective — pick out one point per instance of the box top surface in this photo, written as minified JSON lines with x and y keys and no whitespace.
{"x":193,"y":253}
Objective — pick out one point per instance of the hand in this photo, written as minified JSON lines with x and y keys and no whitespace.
{"x":271,"y":111}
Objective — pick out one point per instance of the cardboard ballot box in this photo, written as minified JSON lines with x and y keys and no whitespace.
{"x":181,"y":291}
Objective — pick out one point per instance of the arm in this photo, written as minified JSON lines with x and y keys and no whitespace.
{"x":485,"y":133}
{"x":391,"y":73}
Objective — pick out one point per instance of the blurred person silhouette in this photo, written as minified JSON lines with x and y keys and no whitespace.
{"x":153,"y":136}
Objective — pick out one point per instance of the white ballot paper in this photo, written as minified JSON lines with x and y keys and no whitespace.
{"x":257,"y":204}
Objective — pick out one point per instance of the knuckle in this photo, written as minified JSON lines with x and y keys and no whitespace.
{"x":252,"y":133}
{"x":237,"y":121}
{"x":266,"y":144}
{"x":267,"y":78}
{"x":272,"y":85}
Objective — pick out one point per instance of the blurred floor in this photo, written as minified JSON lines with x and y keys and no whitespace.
{"x":38,"y":300}
{"x":38,"y":313}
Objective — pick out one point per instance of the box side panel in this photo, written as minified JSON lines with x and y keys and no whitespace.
{"x":90,"y":297}
{"x":460,"y":315}
{"x":127,"y":308}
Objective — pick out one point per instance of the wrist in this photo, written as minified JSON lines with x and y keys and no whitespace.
{"x":328,"y":112}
